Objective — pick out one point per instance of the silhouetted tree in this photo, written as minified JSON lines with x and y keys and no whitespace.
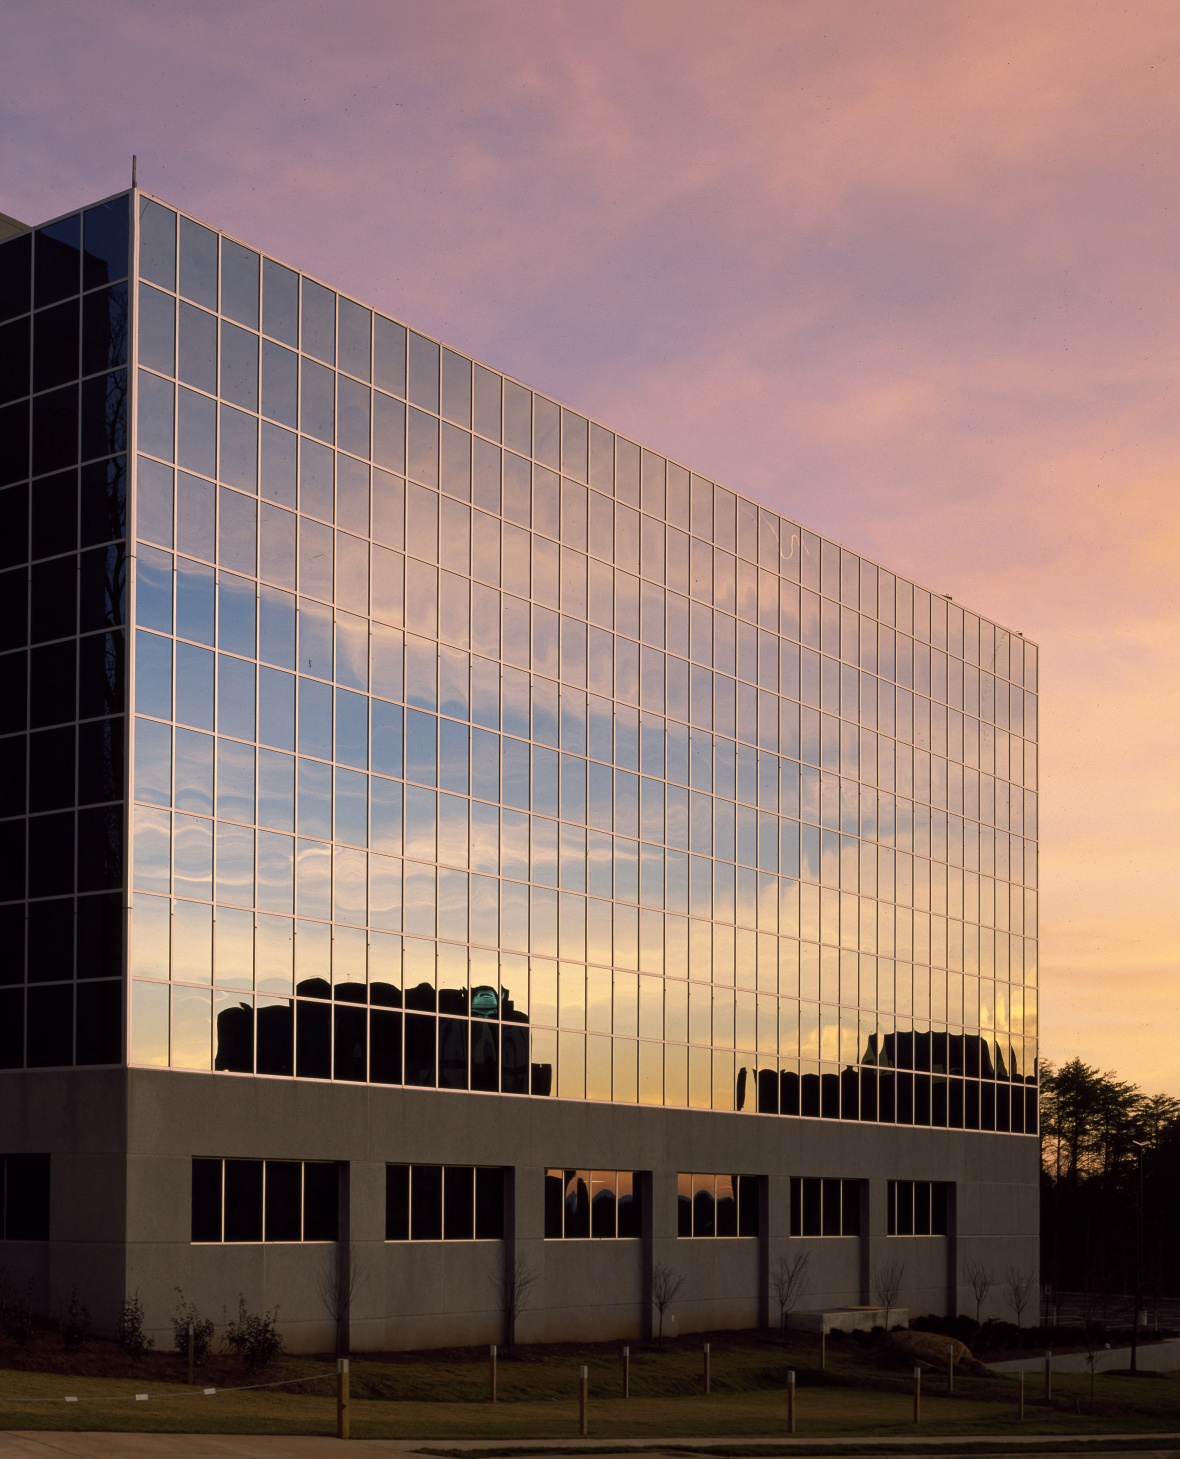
{"x":887,"y":1279}
{"x":666,"y":1283}
{"x":789,"y":1280}
{"x":1095,"y":1128}
{"x":981,"y":1281}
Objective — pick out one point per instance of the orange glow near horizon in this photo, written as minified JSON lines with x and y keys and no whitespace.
{"x":907,"y":274}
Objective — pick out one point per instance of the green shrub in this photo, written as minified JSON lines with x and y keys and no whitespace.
{"x":130,"y":1334}
{"x":254,"y":1336}
{"x":74,"y":1323}
{"x":16,"y":1312}
{"x":186,"y":1313}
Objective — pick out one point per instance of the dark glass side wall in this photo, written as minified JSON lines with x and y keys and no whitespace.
{"x":63,"y":474}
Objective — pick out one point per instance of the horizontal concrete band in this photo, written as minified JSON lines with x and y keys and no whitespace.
{"x":122,"y":1144}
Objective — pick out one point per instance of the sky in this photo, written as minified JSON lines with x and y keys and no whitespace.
{"x":906,"y":272}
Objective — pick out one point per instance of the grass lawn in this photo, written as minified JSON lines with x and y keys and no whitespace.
{"x":865,"y":1391}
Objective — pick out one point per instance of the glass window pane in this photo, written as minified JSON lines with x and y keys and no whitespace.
{"x":105,"y":254}
{"x":198,"y":263}
{"x":319,"y":322}
{"x":355,"y":327}
{"x":703,"y":1205}
{"x":280,"y":302}
{"x":57,"y":251}
{"x":239,"y":283}
{"x":426,"y":1203}
{"x":284,"y":1200}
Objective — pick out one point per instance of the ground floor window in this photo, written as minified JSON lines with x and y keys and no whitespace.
{"x":264,"y":1200}
{"x":591,"y":1204}
{"x":24,"y":1197}
{"x":919,"y":1208}
{"x":444,"y":1203}
{"x":825,"y":1207}
{"x":717,"y":1205}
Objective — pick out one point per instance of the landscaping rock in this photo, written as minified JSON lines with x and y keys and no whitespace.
{"x":931,"y":1347}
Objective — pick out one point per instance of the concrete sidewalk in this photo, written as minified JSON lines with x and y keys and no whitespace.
{"x":1153,"y":1357}
{"x":46,"y":1444}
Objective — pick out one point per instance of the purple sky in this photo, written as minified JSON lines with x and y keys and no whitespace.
{"x":907,"y":273}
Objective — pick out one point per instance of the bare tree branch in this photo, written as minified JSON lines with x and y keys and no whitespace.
{"x":1021,"y":1288}
{"x":513,"y":1286}
{"x":981,"y":1280}
{"x":338,"y":1280}
{"x":887,"y":1281}
{"x":789,"y":1281}
{"x":666,"y":1283}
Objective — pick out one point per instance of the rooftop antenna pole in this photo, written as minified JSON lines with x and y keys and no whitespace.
{"x":134,"y":161}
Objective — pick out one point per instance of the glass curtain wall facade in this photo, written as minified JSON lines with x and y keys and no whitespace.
{"x":476,"y":747}
{"x":64,"y":295}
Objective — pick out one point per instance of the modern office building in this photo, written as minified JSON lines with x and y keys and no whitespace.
{"x":445,"y":839}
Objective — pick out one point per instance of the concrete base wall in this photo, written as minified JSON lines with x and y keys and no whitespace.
{"x":122,"y":1142}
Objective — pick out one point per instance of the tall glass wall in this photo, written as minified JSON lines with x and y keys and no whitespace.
{"x":477,"y":747}
{"x":63,"y":428}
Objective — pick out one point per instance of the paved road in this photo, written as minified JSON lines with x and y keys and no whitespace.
{"x":1079,"y":1308}
{"x":26,"y":1444}
{"x":1158,"y":1357}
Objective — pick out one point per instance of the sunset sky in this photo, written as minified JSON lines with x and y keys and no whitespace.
{"x":906,"y":272}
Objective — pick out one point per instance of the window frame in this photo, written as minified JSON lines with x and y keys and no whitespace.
{"x":625,"y":1189}
{"x":487,"y":1207}
{"x":210,"y":1178}
{"x":699,"y":1197}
